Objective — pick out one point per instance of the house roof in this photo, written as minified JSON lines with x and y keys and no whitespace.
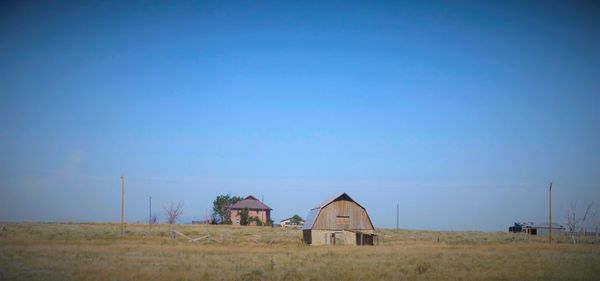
{"x":290,"y":219}
{"x":538,"y":224}
{"x":314,"y":212}
{"x":250,"y":202}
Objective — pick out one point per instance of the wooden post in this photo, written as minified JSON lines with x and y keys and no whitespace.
{"x":150,"y":218}
{"x":550,"y":214}
{"x":122,"y":205}
{"x":397,"y":215}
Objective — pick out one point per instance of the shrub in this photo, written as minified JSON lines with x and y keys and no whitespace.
{"x":293,"y":275}
{"x":244,"y":217}
{"x":254,"y":275}
{"x":256,"y":220}
{"x":422,"y":267}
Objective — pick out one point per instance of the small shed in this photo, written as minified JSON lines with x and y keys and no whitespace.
{"x":539,"y":229}
{"x":339,"y":221}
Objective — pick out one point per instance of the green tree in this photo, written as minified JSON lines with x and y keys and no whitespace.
{"x":244,"y":217}
{"x":255,"y":220}
{"x":222,"y":208}
{"x":296,"y":219}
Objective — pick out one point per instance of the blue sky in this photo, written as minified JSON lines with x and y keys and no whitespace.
{"x":460,"y":112}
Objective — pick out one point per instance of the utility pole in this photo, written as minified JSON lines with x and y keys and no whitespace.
{"x":397,"y":215}
{"x":122,"y":205}
{"x":550,"y":213}
{"x":150,"y":218}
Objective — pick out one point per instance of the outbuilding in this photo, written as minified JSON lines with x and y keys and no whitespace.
{"x":292,"y":222}
{"x":339,"y":221}
{"x":539,"y":229}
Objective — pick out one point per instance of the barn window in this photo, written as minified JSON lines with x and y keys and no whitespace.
{"x":342,"y":222}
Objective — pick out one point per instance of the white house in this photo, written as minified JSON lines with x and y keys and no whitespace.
{"x":289,"y":223}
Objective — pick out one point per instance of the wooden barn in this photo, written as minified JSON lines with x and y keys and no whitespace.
{"x":339,"y":221}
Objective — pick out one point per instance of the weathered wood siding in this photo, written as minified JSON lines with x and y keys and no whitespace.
{"x":307,"y":235}
{"x":331,"y":237}
{"x":343,"y":214}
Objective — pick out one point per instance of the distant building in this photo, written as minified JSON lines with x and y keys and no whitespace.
{"x":339,"y":220}
{"x":290,"y":223}
{"x":540,"y":229}
{"x":255,"y":208}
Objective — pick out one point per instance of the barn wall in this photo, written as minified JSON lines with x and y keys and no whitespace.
{"x":545,"y":232}
{"x":307,"y":236}
{"x":318,"y":237}
{"x":366,"y":238}
{"x":324,"y":237}
{"x":343,"y":214}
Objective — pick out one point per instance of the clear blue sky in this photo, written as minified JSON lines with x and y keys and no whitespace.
{"x":461,"y":112}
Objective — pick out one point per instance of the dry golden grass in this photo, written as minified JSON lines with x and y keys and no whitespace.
{"x":57,"y":251}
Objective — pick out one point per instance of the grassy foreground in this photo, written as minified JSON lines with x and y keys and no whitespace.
{"x":94,"y":251}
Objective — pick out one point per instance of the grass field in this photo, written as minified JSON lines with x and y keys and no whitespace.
{"x":94,"y":251}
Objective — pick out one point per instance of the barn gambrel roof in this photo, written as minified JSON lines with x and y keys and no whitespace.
{"x":314,"y":212}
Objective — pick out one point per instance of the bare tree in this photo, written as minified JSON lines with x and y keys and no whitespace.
{"x":576,"y":224}
{"x":585,"y":217}
{"x":572,"y":218}
{"x":206,"y":218}
{"x":173,"y":211}
{"x":596,"y":223}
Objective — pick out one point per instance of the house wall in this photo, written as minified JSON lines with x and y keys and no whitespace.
{"x":288,"y":223}
{"x":263,"y":215}
{"x":343,"y":214}
{"x":545,"y":231}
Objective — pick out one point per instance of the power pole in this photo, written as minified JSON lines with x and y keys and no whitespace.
{"x":550,"y":214}
{"x":397,"y":215}
{"x":150,"y":218}
{"x":122,"y":205}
